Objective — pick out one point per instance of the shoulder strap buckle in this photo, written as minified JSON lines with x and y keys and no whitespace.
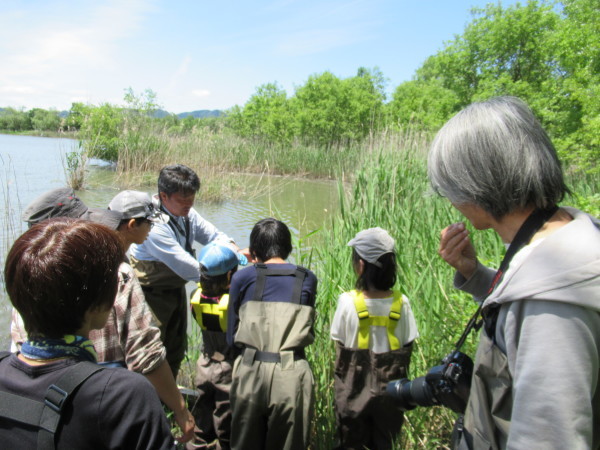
{"x":55,"y":398}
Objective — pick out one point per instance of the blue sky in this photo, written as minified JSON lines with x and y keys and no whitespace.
{"x":209,"y":54}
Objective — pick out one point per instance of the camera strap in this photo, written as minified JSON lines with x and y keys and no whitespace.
{"x":532,"y":224}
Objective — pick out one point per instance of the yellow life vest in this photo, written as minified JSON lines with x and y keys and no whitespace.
{"x":210,"y":316}
{"x":366,"y":321}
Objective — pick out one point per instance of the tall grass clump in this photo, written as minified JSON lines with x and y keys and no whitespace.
{"x":392,"y":192}
{"x":74,"y":164}
{"x":148,"y":149}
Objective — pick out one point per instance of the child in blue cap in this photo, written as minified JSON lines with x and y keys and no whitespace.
{"x":218,"y":262}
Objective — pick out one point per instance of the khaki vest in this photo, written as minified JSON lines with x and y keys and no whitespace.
{"x":488,"y":414}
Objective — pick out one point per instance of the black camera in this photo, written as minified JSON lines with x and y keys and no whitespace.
{"x":447,"y":384}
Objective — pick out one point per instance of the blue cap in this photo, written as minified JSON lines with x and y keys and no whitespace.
{"x":217,"y":259}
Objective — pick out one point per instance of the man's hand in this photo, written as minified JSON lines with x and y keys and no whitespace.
{"x":186,"y":423}
{"x":246,"y":253}
{"x":457,"y":250}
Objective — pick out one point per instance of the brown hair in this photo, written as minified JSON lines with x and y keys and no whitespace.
{"x":59,"y":269}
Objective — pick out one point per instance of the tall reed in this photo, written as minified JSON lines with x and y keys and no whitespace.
{"x":392,"y":192}
{"x":147,"y":149}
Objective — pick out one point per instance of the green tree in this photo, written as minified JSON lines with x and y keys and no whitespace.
{"x":102,"y":132}
{"x":77,"y":116}
{"x":366,"y":93}
{"x":12,"y":119}
{"x":329,"y":110}
{"x":43,"y":120}
{"x":267,"y":115}
{"x":545,"y":52}
{"x":143,"y":103}
{"x":422,"y":104}
{"x":502,"y":51}
{"x":575,"y":115}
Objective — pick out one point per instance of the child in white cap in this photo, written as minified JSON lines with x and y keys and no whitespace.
{"x":212,"y":411}
{"x":374,"y":329}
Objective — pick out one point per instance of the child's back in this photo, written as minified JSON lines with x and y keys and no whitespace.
{"x":374,"y":329}
{"x":271,"y":315}
{"x":212,"y":411}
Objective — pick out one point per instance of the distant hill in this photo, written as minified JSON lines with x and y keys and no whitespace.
{"x":159,"y":114}
{"x":201,"y":114}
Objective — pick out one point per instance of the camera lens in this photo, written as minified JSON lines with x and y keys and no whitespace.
{"x":411,"y":393}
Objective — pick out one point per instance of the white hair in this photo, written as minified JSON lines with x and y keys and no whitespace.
{"x":496,"y":155}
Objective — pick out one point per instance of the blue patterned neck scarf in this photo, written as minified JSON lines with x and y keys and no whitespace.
{"x":69,"y":346}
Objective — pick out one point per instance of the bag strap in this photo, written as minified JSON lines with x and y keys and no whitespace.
{"x":46,"y":415}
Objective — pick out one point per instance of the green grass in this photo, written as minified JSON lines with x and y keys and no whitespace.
{"x":392,"y":193}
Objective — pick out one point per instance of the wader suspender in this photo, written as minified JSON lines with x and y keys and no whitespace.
{"x":46,"y":415}
{"x":174,"y":224}
{"x":366,"y":321}
{"x":262,"y":272}
{"x":489,"y":315}
{"x":210,"y":316}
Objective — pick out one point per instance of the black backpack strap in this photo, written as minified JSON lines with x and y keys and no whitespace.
{"x":4,"y":354}
{"x":300,"y":274}
{"x":46,"y":415}
{"x":261,"y":278}
{"x":263,"y":271}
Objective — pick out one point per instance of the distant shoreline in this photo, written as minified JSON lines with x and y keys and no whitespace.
{"x":52,"y":134}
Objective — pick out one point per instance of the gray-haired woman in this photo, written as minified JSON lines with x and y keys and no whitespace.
{"x":537,"y":369}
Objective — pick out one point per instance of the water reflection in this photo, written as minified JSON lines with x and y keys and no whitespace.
{"x":33,"y":165}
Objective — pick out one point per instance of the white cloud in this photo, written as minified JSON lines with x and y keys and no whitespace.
{"x":201,"y":92}
{"x":59,"y":43}
{"x":17,"y":90}
{"x":179,"y":73}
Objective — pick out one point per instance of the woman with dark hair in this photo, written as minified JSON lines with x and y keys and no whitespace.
{"x":61,"y":275}
{"x":537,"y":368}
{"x":374,"y":328}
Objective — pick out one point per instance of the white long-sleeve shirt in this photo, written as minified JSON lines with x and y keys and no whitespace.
{"x":167,"y":244}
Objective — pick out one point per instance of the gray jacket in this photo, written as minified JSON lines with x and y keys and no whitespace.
{"x":544,"y":391}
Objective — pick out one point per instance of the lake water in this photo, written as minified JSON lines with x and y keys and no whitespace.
{"x":34,"y":165}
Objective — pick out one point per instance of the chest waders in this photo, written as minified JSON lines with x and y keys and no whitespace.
{"x":365,"y":416}
{"x":212,"y":408}
{"x":165,"y":293}
{"x":272,"y":391}
{"x":45,"y":415}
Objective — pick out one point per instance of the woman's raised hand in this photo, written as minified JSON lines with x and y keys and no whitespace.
{"x":457,"y":250}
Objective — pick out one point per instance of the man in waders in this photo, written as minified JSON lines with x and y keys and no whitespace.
{"x":270,"y":317}
{"x":165,"y":262}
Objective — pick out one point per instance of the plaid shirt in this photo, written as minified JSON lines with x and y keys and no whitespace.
{"x":130,"y":334}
